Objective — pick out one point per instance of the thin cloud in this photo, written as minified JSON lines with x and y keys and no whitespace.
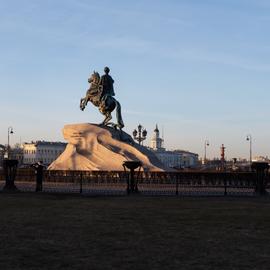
{"x":220,"y":58}
{"x":142,"y":46}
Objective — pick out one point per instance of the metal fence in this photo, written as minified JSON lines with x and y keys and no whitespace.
{"x":149,"y":183}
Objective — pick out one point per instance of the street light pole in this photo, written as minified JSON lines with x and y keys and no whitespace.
{"x":10,"y":131}
{"x":142,"y":133}
{"x":206,"y":143}
{"x":249,"y":138}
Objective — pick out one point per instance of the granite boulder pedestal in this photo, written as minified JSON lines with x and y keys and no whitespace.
{"x":103,"y":148}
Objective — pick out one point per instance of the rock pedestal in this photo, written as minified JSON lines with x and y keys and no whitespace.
{"x":94,"y":147}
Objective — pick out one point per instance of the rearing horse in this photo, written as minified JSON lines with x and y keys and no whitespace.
{"x":105,"y":103}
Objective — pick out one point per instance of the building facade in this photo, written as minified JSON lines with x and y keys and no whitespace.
{"x":173,"y":159}
{"x":43,"y":151}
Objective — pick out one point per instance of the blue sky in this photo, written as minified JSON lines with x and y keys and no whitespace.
{"x":200,"y":69}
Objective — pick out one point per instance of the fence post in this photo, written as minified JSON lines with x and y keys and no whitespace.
{"x":177,"y":186}
{"x":225,"y":184}
{"x":261,"y":169}
{"x":10,"y":171}
{"x":81,"y":180}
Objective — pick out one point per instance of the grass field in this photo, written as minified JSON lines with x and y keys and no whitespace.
{"x":41,"y":231}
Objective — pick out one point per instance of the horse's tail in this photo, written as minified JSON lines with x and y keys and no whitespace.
{"x":120,"y":121}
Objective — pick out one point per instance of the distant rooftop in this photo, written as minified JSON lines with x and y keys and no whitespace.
{"x":36,"y":143}
{"x":178,"y":151}
{"x":184,"y":152}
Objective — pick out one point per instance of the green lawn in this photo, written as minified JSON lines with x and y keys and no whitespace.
{"x":41,"y":231}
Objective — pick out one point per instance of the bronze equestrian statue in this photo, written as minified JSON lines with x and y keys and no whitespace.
{"x":100,"y":94}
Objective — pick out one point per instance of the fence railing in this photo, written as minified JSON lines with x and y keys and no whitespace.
{"x":149,"y":183}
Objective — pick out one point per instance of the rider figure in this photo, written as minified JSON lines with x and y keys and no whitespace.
{"x":106,"y":81}
{"x":101,"y":94}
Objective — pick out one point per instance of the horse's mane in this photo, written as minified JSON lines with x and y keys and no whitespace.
{"x":96,"y":75}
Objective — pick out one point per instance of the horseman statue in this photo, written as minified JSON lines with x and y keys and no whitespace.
{"x":101,"y":94}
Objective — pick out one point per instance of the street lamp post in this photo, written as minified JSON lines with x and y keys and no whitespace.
{"x":206,"y":143}
{"x":10,"y":131}
{"x":140,"y":134}
{"x":249,"y":138}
